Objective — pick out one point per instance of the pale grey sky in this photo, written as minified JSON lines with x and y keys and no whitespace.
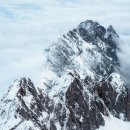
{"x":27,"y":27}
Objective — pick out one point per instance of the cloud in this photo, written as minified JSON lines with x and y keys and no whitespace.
{"x":27,"y":27}
{"x":124,"y":55}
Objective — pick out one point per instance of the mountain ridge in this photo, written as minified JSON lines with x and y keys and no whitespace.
{"x":81,"y":85}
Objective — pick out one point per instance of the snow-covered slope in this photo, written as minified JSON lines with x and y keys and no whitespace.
{"x":113,"y":123}
{"x":14,"y":102}
{"x":81,"y":85}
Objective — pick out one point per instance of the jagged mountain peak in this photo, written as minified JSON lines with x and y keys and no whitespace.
{"x":91,"y":31}
{"x":15,"y":107}
{"x":111,"y":30}
{"x":19,"y":87}
{"x":91,"y":25}
{"x":87,"y":45}
{"x":95,"y":26}
{"x":81,"y":85}
{"x":88,"y":24}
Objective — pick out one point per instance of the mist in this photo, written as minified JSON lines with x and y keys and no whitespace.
{"x":124,"y":57}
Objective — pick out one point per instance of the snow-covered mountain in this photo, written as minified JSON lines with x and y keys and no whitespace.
{"x":81,"y":85}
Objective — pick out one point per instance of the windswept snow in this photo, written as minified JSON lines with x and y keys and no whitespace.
{"x":117,"y":82}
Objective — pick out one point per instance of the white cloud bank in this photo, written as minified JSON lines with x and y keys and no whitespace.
{"x":27,"y":27}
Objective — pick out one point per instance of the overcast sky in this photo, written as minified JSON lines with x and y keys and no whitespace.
{"x":27,"y":27}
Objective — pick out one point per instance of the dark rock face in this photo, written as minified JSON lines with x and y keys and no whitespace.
{"x":81,"y":110}
{"x":86,"y":88}
{"x":83,"y":115}
{"x":93,"y":32}
{"x":90,"y":30}
{"x":115,"y":103}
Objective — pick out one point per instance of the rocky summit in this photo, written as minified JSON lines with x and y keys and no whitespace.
{"x":81,"y":85}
